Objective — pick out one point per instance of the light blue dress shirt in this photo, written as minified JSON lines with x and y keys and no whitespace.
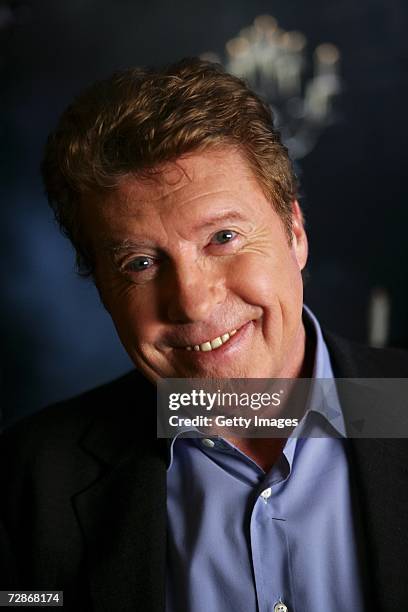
{"x":242,"y":540}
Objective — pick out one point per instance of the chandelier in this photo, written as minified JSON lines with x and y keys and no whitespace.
{"x":300,"y":90}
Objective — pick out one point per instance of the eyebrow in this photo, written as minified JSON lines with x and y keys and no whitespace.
{"x":114,"y":246}
{"x":229,"y":215}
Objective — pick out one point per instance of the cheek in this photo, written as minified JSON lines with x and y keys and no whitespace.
{"x":262,"y":279}
{"x":133,"y":313}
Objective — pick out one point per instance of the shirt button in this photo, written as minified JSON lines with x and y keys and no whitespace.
{"x":208,"y":443}
{"x":265,"y":496}
{"x":280,"y":607}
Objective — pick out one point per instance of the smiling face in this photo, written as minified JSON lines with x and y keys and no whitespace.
{"x":193,"y":254}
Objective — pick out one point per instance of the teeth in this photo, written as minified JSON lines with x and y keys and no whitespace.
{"x":212,"y":344}
{"x":216,"y":343}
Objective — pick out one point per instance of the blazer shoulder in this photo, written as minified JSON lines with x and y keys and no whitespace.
{"x":64,"y":422}
{"x":352,"y":359}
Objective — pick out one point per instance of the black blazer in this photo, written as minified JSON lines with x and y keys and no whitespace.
{"x":83,"y":496}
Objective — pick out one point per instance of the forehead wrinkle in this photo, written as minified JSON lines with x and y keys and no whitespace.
{"x":224,"y":193}
{"x":167,"y":187}
{"x":139,"y":207}
{"x":132,"y":197}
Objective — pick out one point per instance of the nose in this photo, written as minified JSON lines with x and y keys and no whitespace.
{"x":194,"y":293}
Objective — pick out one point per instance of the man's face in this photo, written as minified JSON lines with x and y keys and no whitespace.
{"x":193,"y":254}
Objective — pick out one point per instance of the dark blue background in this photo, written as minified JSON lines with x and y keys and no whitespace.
{"x":56,"y":338}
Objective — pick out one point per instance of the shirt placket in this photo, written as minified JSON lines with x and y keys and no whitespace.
{"x":270,"y":550}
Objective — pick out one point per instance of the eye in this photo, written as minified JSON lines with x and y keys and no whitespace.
{"x":223,"y":236}
{"x":138,"y":264}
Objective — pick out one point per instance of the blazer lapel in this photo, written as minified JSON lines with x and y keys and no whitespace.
{"x":379,"y":471}
{"x":381,"y":493}
{"x":122,"y":511}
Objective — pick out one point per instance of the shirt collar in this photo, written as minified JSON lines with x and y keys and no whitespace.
{"x":323,"y":399}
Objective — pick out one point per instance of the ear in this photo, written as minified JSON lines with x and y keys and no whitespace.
{"x":299,"y":239}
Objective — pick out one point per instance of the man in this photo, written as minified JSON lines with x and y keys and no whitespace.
{"x":181,"y":203}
